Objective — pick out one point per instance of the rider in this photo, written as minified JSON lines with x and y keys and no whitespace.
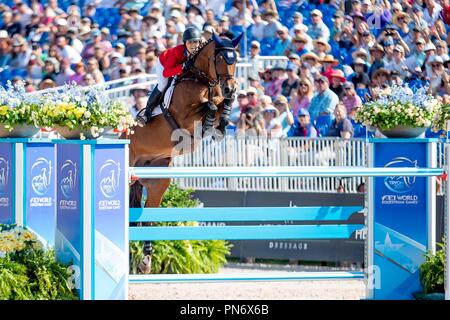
{"x":173,"y":62}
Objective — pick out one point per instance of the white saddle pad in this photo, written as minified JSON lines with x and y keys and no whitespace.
{"x":167,"y":99}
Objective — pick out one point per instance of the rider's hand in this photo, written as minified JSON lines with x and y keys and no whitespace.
{"x":187,"y":65}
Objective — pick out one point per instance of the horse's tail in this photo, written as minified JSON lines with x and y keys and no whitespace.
{"x":136,"y":195}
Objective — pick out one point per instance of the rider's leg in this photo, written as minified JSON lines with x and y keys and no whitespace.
{"x":157,"y":91}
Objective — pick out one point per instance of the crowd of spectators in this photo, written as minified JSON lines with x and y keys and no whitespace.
{"x":339,"y":53}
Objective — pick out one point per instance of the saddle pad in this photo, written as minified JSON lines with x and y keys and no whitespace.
{"x":167,"y":99}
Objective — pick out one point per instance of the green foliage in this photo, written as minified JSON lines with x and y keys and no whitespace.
{"x":28,"y":271}
{"x":432,"y":271}
{"x":181,"y":256}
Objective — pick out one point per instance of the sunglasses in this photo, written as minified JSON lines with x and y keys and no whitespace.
{"x":319,"y":81}
{"x":242,"y":96}
{"x":436,"y":65}
{"x":250,"y":94}
{"x":304,"y":85}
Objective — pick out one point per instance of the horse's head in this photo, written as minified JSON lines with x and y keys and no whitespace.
{"x":225,"y":59}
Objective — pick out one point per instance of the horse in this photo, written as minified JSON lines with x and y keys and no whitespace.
{"x":209,"y":84}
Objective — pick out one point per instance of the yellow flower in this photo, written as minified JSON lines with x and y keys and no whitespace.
{"x":3,"y":110}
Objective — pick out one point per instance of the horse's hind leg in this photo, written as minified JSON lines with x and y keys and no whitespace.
{"x":155,"y":191}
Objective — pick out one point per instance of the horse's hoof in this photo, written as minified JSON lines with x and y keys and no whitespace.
{"x":145,"y":266}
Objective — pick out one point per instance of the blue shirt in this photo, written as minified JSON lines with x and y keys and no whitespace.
{"x":319,"y":30}
{"x":280,"y":47}
{"x":323,"y":103}
{"x":297,"y":131}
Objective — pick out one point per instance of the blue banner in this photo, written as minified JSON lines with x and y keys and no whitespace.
{"x":111,"y":261}
{"x":400,"y":219}
{"x":6,"y":183}
{"x":69,"y":209}
{"x":40,"y":190}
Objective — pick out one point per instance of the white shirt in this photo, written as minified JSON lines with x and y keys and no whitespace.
{"x":70,"y":53}
{"x":258,"y":30}
{"x":434,"y":16}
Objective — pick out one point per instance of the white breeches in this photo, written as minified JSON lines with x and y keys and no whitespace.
{"x":162,"y":81}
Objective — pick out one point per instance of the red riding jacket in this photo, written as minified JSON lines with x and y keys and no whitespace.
{"x":171,"y":59}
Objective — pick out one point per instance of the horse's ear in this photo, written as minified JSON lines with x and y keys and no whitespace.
{"x":217,"y":39}
{"x":236,"y":40}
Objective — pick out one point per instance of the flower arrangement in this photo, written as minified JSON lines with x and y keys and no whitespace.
{"x":442,"y":117}
{"x":400,"y":107}
{"x":16,"y":108}
{"x":88,"y":110}
{"x":85,"y":111}
{"x":27,"y":270}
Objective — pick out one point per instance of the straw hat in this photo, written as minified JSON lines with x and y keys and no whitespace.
{"x":400,"y":15}
{"x":359,"y":52}
{"x":330,"y":59}
{"x":381,"y":71}
{"x":324,"y":42}
{"x":309,"y":55}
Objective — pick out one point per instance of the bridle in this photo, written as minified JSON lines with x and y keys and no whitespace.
{"x":202,"y":77}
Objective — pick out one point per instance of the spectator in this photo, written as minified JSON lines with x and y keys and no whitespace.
{"x":324,"y":101}
{"x":5,"y":49}
{"x":298,"y":45}
{"x":285,"y":116}
{"x":321,"y":47}
{"x":350,"y":99}
{"x":303,"y":126}
{"x":273,"y":25}
{"x":317,"y":29}
{"x":328,"y":63}
{"x":66,"y":51}
{"x":278,"y":77}
{"x":337,"y":79}
{"x":301,"y":98}
{"x":398,"y":63}
{"x":360,"y":78}
{"x":79,"y":74}
{"x":249,"y":124}
{"x":93,"y":69}
{"x":257,"y":29}
{"x":341,"y":125}
{"x":273,"y":127}
{"x":65,"y":73}
{"x":254,"y":58}
{"x":439,"y":76}
{"x":252,"y":97}
{"x":291,"y":83}
{"x":21,"y":53}
{"x":377,"y":53}
{"x":283,"y":42}
{"x":242,"y":101}
{"x":51,"y":69}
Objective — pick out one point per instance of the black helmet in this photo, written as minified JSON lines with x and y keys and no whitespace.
{"x":191,"y":33}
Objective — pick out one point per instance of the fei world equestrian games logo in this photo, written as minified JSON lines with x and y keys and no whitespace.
{"x":4,"y":175}
{"x":41,"y":172}
{"x":400,"y":185}
{"x":68,"y":173}
{"x":109,"y":177}
{"x":4,"y":180}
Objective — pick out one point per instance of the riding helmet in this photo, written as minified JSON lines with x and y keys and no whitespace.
{"x":191,"y":33}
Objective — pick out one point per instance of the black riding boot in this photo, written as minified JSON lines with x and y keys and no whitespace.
{"x":152,"y":102}
{"x":211,"y":110}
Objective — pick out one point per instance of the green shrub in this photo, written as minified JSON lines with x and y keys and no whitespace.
{"x":27,"y":270}
{"x":432,"y":271}
{"x":181,"y":256}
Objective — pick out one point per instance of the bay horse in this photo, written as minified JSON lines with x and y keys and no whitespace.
{"x":209,"y":81}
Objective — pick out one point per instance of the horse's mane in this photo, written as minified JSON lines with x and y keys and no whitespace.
{"x":197,"y":51}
